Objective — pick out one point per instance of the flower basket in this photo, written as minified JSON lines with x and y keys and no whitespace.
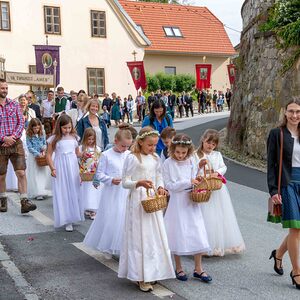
{"x":87,"y":176}
{"x":214,"y":183}
{"x":154,"y":202}
{"x":41,"y":161}
{"x":200,"y":195}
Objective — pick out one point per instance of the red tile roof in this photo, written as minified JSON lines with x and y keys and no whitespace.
{"x":202,"y":31}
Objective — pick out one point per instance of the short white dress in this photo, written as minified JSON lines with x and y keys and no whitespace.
{"x":145,"y":254}
{"x":223,"y":231}
{"x":66,"y":202}
{"x":89,"y":196}
{"x":106,"y":231}
{"x":183,"y":218}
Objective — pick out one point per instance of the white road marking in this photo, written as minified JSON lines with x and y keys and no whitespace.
{"x":21,"y":284}
{"x":159,"y":290}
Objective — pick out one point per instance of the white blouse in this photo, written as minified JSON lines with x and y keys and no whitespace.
{"x":296,"y":153}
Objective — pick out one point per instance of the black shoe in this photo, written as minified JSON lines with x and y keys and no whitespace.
{"x":204,"y":278}
{"x":279,"y":270}
{"x":27,"y":206}
{"x":3,"y":204}
{"x":293,"y":280}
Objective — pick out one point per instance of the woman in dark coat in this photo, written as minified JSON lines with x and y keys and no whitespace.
{"x":290,"y":187}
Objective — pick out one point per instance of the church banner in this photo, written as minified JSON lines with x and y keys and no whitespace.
{"x":137,"y":72}
{"x":203,"y":76}
{"x":231,"y":73}
{"x":45,"y":56}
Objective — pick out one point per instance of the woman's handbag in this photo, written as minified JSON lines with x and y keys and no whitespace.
{"x":154,"y":203}
{"x":275,"y":210}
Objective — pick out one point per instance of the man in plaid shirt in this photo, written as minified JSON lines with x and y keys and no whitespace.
{"x":11,"y":148}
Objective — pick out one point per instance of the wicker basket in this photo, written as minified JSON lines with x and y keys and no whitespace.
{"x":154,"y":203}
{"x":41,"y":161}
{"x":202,"y":196}
{"x":87,"y":176}
{"x":214,"y":183}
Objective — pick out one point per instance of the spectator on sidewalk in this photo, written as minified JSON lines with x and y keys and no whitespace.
{"x":151,"y":99}
{"x":189,"y":105}
{"x":107,"y":102}
{"x":228,"y":96}
{"x":180,"y":103}
{"x":140,"y":106}
{"x":62,"y":104}
{"x":171,"y":104}
{"x":32,"y":103}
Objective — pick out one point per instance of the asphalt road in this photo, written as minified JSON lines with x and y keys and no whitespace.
{"x":37,"y":262}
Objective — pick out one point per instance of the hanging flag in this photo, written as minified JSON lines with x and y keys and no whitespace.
{"x":203,"y":75}
{"x":137,"y":72}
{"x":45,"y":55}
{"x":231,"y":73}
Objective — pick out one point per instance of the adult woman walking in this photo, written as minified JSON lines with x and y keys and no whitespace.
{"x":93,"y":120}
{"x":290,"y":186}
{"x":28,"y":113}
{"x":159,"y":120}
{"x":77,"y":113}
{"x":116,"y":109}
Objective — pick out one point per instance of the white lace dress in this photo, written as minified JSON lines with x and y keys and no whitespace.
{"x":145,"y":254}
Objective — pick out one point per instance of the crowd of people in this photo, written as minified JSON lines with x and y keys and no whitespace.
{"x":92,"y":177}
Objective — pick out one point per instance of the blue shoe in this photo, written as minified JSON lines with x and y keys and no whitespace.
{"x":203,"y":278}
{"x":181,"y":276}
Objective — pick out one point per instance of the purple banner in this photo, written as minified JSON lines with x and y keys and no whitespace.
{"x":45,"y":58}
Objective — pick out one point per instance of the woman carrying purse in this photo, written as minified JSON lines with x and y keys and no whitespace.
{"x":284,"y":159}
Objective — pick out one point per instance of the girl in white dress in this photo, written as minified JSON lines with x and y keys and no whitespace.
{"x":145,"y":254}
{"x":89,"y":158}
{"x":105,"y":233}
{"x":184,"y":222}
{"x":65,"y":173}
{"x":223,"y":231}
{"x":37,"y":177}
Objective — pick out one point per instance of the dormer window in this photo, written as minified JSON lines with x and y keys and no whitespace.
{"x":172,"y":31}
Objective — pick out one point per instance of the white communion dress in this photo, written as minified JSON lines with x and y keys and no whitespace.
{"x":145,"y":254}
{"x":89,"y":196}
{"x":223,"y":231}
{"x":184,"y":222}
{"x":106,"y":231}
{"x":66,"y":204}
{"x":11,"y":178}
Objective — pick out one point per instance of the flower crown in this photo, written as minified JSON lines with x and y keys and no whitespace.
{"x":182,"y":142}
{"x":145,"y":134}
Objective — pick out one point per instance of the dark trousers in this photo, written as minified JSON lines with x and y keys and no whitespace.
{"x":228,"y":103}
{"x":141,"y":112}
{"x":189,"y":107}
{"x":180,"y":108}
{"x":171,"y":111}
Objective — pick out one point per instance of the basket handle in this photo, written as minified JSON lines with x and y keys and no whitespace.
{"x":204,"y":169}
{"x":155,"y":192}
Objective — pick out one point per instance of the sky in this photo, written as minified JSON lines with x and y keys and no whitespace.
{"x":228,"y":11}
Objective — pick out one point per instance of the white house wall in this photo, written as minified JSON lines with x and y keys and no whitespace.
{"x":78,"y":51}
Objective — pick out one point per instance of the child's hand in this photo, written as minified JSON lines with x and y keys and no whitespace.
{"x":96,"y":184}
{"x":53,"y":172}
{"x":162,"y":191}
{"x":214,"y":174}
{"x":147,"y":184}
{"x":202,"y":163}
{"x":196,"y":181}
{"x":116,"y":181}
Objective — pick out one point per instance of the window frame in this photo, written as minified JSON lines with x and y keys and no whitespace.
{"x":52,"y":24}
{"x":88,"y":80}
{"x":92,"y":26}
{"x":171,"y":67}
{"x":173,"y":32}
{"x":9,"y":20}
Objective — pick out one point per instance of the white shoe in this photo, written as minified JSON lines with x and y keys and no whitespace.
{"x":69,"y":227}
{"x":39,"y":198}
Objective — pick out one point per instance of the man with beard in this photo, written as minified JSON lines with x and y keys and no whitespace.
{"x":11,"y":148}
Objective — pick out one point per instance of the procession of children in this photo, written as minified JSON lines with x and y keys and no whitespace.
{"x":112,"y":187}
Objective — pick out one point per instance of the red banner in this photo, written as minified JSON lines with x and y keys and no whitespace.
{"x":231,"y":73}
{"x":203,"y":75}
{"x":137,"y":72}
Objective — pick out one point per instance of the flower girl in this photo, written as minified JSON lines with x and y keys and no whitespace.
{"x":65,"y":173}
{"x":223,"y":232}
{"x":89,"y":158}
{"x":184,"y":222}
{"x":37,"y":177}
{"x":105,"y":233}
{"x":145,"y":255}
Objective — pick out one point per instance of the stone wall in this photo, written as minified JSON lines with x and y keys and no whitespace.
{"x":260,"y":89}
